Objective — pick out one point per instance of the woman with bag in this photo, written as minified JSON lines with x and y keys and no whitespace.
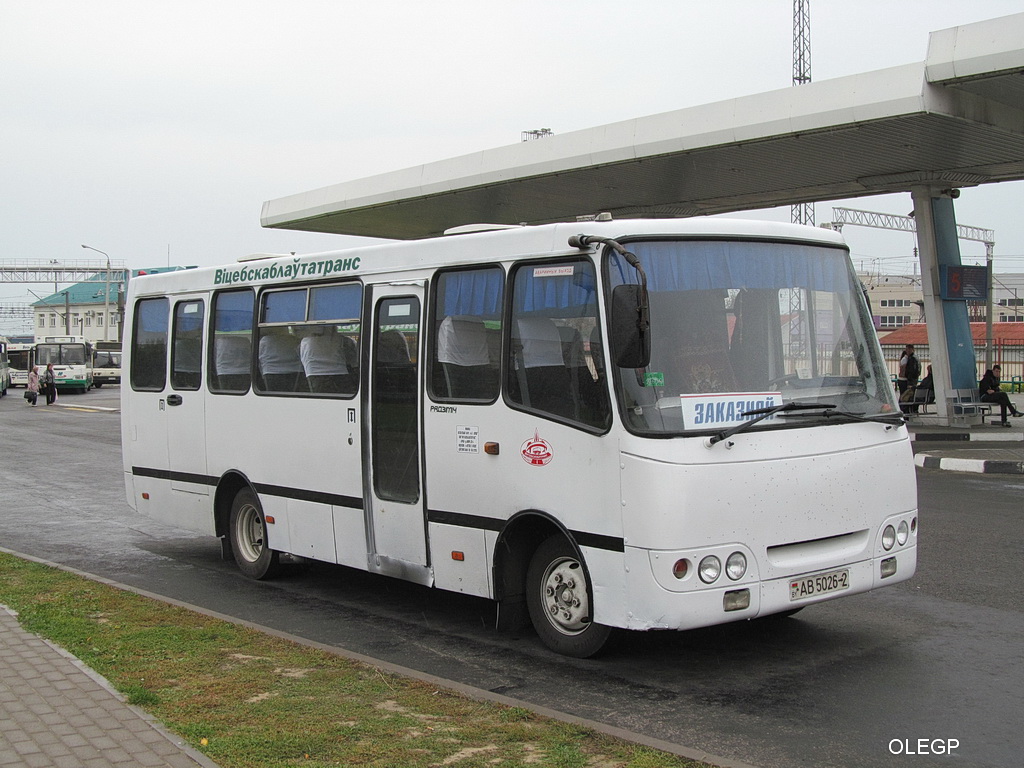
{"x":32,"y":390}
{"x":50,"y":384}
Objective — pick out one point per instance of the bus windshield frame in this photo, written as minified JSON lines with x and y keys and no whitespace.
{"x":739,"y":326}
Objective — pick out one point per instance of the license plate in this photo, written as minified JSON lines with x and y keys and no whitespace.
{"x":819,"y":584}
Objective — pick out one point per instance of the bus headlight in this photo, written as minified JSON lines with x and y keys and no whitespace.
{"x":902,"y":533}
{"x":888,"y":538}
{"x":710,"y":569}
{"x":736,"y":566}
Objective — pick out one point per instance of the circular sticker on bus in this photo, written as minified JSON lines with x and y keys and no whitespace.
{"x":537,"y":451}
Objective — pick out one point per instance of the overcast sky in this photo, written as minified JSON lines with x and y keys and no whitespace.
{"x":154,"y":131}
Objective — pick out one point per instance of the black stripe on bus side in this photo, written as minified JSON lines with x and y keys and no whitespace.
{"x":583,"y":538}
{"x":465,"y":521}
{"x":300,"y":494}
{"x":181,"y":477}
{"x":303,"y":494}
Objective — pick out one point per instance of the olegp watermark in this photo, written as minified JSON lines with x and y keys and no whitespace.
{"x":923,"y":746}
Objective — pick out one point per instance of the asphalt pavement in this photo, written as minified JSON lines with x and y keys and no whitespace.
{"x":54,"y":711}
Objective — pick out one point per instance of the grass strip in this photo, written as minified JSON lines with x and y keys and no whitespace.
{"x":248,"y":699}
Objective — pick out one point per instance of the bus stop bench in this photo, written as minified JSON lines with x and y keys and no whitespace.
{"x":921,"y":402}
{"x":967,"y":402}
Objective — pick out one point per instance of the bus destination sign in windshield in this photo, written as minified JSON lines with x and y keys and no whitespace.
{"x":714,"y":410}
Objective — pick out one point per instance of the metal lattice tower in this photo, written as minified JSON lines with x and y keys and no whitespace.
{"x":802,"y":213}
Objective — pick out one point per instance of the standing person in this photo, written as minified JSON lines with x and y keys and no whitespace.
{"x":50,"y":383}
{"x":33,"y":386}
{"x":910,"y":370}
{"x":991,"y":393}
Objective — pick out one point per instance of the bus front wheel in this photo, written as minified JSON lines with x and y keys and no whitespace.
{"x":559,"y":600}
{"x":248,"y":531}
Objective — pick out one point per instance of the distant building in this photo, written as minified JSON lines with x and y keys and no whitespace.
{"x":78,"y":310}
{"x":1007,"y":347}
{"x":898,"y":300}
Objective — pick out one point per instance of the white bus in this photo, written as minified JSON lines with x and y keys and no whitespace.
{"x":20,"y":357}
{"x":5,"y":370}
{"x":638,"y":424}
{"x":72,"y":361}
{"x":106,"y":366}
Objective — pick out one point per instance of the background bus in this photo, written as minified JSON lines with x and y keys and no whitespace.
{"x":661,"y":424}
{"x":5,"y":371}
{"x":72,"y":361}
{"x":106,"y":363}
{"x":21,"y":358}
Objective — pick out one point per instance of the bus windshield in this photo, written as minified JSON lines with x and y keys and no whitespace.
{"x":107,"y":360}
{"x":60,"y":354}
{"x":739,"y":326}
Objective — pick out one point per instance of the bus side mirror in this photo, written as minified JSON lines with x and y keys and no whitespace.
{"x":630,"y":330}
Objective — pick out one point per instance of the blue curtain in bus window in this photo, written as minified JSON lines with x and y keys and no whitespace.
{"x":475,"y":292}
{"x":284,"y":306}
{"x":699,"y":265}
{"x":466,"y":342}
{"x":544,"y":287}
{"x":335,"y":302}
{"x":149,"y":345}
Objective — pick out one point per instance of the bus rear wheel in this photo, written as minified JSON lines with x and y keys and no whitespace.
{"x":559,"y":601}
{"x":248,"y":532}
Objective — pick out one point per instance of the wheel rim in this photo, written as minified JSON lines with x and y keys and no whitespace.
{"x":249,"y":533}
{"x":564,"y":596}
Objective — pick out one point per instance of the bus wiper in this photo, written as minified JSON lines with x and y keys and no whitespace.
{"x":883,"y":418}
{"x":762,"y":414}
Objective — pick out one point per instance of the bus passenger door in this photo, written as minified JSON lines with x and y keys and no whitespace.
{"x":396,"y":521}
{"x":186,"y":404}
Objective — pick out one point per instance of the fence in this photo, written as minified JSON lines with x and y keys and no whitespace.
{"x":1010,"y":357}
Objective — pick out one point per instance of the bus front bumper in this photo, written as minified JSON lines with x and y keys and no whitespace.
{"x":694,"y":604}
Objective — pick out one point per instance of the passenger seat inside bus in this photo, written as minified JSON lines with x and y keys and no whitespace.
{"x":541,"y":373}
{"x":462,"y":352}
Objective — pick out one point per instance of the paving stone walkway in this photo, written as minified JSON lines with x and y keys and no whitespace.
{"x":57,"y":713}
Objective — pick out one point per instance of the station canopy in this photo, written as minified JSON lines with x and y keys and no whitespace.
{"x":954,"y":120}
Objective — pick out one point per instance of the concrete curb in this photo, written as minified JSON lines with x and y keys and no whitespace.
{"x":979,"y":466}
{"x":976,"y":437}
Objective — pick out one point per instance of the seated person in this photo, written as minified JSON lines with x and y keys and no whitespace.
{"x":990,"y":392}
{"x":928,"y":387}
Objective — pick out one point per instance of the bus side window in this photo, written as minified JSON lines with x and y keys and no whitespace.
{"x":330,"y":349}
{"x":465,"y":360}
{"x":187,"y":346}
{"x":149,"y":345}
{"x":282,"y":313}
{"x":554,"y":310}
{"x":230,"y":359}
